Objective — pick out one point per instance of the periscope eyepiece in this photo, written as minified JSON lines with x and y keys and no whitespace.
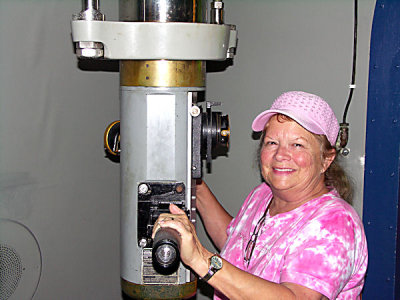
{"x":165,"y":253}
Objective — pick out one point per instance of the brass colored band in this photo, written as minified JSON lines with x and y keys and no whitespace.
{"x":163,"y":73}
{"x":159,"y":291}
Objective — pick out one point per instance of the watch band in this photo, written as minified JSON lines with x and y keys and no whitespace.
{"x":207,"y":277}
{"x":215,"y":266}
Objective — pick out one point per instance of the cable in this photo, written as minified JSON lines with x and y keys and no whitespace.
{"x":344,"y":126}
{"x":353,"y":76}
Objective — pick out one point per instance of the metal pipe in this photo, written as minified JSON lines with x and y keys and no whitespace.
{"x":217,"y":12}
{"x":90,"y":4}
{"x":90,"y":11}
{"x":193,"y":11}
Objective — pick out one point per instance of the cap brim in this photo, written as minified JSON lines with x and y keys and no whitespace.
{"x":262,"y":119}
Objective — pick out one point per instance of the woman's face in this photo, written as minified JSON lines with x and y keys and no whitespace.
{"x":291,"y":158}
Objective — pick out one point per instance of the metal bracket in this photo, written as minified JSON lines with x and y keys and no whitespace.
{"x":151,"y":40}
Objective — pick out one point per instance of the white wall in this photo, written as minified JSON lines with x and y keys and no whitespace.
{"x":53,"y":174}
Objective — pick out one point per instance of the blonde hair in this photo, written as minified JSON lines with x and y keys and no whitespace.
{"x":335,"y":176}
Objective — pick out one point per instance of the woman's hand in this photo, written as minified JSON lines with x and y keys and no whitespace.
{"x":193,"y":254}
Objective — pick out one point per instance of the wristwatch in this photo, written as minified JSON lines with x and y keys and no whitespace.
{"x":215,"y":266}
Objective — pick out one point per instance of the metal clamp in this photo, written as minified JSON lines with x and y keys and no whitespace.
{"x":151,"y":40}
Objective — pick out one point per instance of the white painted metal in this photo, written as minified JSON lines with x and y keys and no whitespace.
{"x":151,"y":40}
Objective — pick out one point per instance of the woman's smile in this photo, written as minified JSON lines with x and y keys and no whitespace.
{"x":283,"y":171}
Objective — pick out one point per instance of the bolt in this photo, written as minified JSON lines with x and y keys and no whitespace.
{"x":231,"y":52}
{"x":143,"y":188}
{"x":195,"y":111}
{"x":143,"y":243}
{"x":217,"y":4}
{"x":345,"y":151}
{"x":179,"y":188}
{"x":89,"y":49}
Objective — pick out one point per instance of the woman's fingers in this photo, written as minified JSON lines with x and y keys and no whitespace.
{"x":176,"y":210}
{"x":176,"y":214}
{"x":158,"y":223}
{"x":190,"y":246}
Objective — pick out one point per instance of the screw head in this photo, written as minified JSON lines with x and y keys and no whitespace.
{"x":195,"y":111}
{"x":143,"y":188}
{"x":143,"y":243}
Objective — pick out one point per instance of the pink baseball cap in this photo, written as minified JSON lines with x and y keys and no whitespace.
{"x":310,"y":111}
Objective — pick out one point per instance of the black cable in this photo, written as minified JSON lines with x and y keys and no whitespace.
{"x":353,"y":76}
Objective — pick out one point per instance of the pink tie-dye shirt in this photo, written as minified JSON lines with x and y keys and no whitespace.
{"x":320,"y":245}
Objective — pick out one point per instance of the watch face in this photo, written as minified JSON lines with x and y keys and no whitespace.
{"x":216,"y":262}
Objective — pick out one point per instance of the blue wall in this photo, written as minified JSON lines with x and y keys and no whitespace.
{"x":381,"y":188}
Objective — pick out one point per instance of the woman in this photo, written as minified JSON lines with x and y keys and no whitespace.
{"x":294,"y":237}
